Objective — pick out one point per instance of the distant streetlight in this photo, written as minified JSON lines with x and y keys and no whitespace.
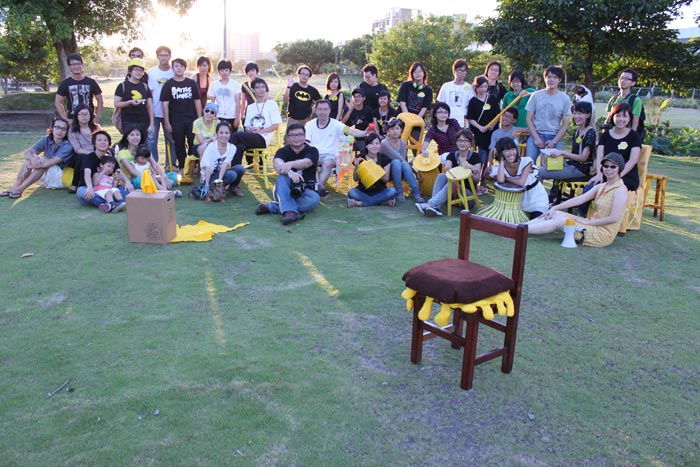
{"x":224,"y":52}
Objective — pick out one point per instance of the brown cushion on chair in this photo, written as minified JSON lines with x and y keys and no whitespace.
{"x":456,"y":281}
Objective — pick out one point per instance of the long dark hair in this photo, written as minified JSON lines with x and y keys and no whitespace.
{"x":124,"y":141}
{"x":75,"y":126}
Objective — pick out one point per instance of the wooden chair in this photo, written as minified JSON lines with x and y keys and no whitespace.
{"x":635,"y":201}
{"x":472,"y":292}
{"x":659,"y":196}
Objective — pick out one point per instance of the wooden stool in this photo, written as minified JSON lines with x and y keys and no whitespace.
{"x":460,"y":174}
{"x":569,"y":188}
{"x":506,"y":204}
{"x":659,"y":196}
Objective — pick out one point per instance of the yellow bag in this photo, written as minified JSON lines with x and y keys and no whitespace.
{"x":147,"y":183}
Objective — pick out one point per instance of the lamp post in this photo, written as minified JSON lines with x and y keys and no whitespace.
{"x":224,"y":51}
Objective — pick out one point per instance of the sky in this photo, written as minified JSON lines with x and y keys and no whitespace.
{"x":202,"y":27}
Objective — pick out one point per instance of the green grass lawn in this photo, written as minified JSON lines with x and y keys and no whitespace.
{"x":289,"y":346}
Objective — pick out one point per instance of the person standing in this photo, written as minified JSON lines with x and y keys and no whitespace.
{"x":134,"y":99}
{"x":157,"y":77}
{"x":548,"y":114}
{"x":252,"y":70}
{"x":371,"y":86}
{"x":415,"y":96}
{"x":78,"y":89}
{"x":226,"y":93}
{"x":458,"y":93}
{"x":626,"y":81}
{"x":359,"y":116}
{"x":300,"y":96}
{"x":181,"y":107}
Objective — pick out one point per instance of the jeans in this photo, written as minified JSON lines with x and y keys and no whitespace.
{"x":372,"y":200}
{"x":533,"y":151}
{"x":153,"y":139}
{"x":232,"y":177}
{"x":439,"y":196}
{"x":402,"y":170}
{"x":96,"y":200}
{"x":308,"y":200}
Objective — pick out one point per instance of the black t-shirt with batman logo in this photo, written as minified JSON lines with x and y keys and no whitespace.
{"x":301,"y":101}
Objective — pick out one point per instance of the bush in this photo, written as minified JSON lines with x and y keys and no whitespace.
{"x":674,"y":141}
{"x":28,"y":101}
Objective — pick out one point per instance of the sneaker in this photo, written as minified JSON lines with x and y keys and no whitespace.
{"x":236,"y":192}
{"x":120,"y":205}
{"x":481,"y":190}
{"x":418,"y":199}
{"x":421,"y":207}
{"x":401,"y":198}
{"x":105,"y":207}
{"x":177,"y":193}
{"x":262,"y":208}
{"x":322,"y":192}
{"x":290,"y":217}
{"x":432,"y":212}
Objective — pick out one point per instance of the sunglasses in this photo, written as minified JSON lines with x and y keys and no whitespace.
{"x":609,"y":166}
{"x":209,"y":112}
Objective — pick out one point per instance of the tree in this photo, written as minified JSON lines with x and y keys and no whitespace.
{"x":435,"y":41}
{"x":314,"y":53}
{"x":24,"y":53}
{"x":593,"y":39}
{"x":70,"y":21}
{"x":358,"y":50}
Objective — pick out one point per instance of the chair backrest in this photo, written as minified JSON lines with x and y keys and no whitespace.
{"x":518,"y":233}
{"x":412,"y":121}
{"x":643,"y":165}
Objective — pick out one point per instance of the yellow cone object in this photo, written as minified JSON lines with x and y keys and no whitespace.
{"x":147,"y":183}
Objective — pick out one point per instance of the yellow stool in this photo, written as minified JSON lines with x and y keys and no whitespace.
{"x":460,"y":174}
{"x":659,"y":197}
{"x":506,"y":204}
{"x":191,"y":168}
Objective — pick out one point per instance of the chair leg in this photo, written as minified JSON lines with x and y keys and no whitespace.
{"x":457,"y":327}
{"x":509,"y":343}
{"x":417,"y":332}
{"x":469,"y":359}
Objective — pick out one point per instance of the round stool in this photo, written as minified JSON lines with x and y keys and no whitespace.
{"x":506,"y":204}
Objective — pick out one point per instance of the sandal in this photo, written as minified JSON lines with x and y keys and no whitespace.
{"x":390,"y":203}
{"x":5,"y":194}
{"x":14,"y":195}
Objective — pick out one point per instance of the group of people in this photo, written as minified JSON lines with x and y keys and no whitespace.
{"x":201,"y":117}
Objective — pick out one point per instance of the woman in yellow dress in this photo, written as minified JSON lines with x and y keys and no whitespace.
{"x":609,"y":200}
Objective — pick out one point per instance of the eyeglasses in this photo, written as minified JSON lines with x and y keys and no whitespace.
{"x":209,"y":112}
{"x":61,"y":128}
{"x":135,"y":55}
{"x":296,"y":135}
{"x":76,"y":64}
{"x":609,"y":166}
{"x":624,"y":78}
{"x":463,"y":141}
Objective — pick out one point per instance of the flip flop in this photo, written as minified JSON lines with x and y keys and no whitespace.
{"x":14,"y":195}
{"x":5,"y":194}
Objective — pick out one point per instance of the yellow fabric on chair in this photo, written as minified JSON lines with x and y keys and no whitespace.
{"x":503,"y":302}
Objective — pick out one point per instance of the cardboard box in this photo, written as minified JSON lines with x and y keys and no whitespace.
{"x":151,"y":217}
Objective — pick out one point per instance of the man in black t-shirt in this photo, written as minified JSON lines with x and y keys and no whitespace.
{"x":181,"y":107}
{"x":371,"y":86}
{"x":300,"y":97}
{"x":78,"y":89}
{"x":295,"y":187}
{"x":358,"y":115}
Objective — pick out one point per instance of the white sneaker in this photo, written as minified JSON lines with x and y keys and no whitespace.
{"x":421,"y":207}
{"x":432,"y":212}
{"x":177,"y":193}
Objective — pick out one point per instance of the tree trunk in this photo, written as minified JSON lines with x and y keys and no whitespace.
{"x":63,"y":48}
{"x":588,"y":79}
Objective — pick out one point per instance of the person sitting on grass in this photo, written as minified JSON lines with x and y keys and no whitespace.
{"x":134,"y":165}
{"x":442,"y":129}
{"x":56,"y":150}
{"x":378,"y":193}
{"x":609,"y":199}
{"x":80,"y":137}
{"x":105,"y":187}
{"x":86,"y":192}
{"x":395,"y":148}
{"x":519,"y":171}
{"x":217,"y":162}
{"x":465,"y":157}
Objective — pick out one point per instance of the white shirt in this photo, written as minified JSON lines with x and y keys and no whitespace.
{"x":156,"y":80}
{"x":457,"y":97}
{"x":326,"y":139}
{"x":263,"y":115}
{"x":227,"y":97}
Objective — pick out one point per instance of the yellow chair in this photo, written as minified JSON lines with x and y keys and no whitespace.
{"x":262,"y":160}
{"x":635,"y":202}
{"x":412,"y":122}
{"x":460,"y":175}
{"x":191,"y":169}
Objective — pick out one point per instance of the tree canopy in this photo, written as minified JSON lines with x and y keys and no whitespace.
{"x":358,"y":50}
{"x":435,"y":41}
{"x":70,"y":21}
{"x":314,"y":53}
{"x":594,"y":39}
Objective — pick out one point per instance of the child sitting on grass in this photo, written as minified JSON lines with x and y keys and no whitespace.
{"x":105,"y":187}
{"x":142,"y":161}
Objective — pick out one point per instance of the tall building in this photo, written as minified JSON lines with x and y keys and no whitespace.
{"x":244,"y":47}
{"x":394,"y":17}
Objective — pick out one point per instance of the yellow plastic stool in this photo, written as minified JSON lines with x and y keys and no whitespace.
{"x":460,"y":175}
{"x":660,"y":195}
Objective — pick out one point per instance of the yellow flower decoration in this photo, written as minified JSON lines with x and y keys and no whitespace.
{"x":334,"y":98}
{"x":421,"y":94}
{"x":622,"y":146}
{"x":487,"y":106}
{"x":578,"y":140}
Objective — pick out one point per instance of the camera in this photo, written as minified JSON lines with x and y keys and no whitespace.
{"x":297,"y":189}
{"x":605,"y":126}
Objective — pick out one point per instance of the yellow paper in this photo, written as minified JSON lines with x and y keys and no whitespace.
{"x":555,"y":163}
{"x":147,"y":183}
